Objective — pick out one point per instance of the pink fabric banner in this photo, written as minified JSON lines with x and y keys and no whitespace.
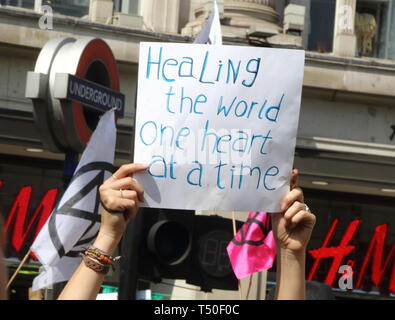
{"x":253,"y":249}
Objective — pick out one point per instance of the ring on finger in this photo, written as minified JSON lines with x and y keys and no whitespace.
{"x":121,"y":192}
{"x":307,"y":208}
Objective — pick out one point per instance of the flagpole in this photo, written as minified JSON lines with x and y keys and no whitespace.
{"x":249,"y":286}
{"x":234,"y":234}
{"x":19,"y":268}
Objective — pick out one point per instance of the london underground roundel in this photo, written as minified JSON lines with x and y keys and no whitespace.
{"x":74,"y":82}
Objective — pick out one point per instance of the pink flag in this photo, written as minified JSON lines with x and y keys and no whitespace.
{"x":253,"y":248}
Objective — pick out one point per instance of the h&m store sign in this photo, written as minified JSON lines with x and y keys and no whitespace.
{"x":22,"y":227}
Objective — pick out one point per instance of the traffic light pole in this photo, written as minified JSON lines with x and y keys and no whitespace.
{"x":129,"y":262}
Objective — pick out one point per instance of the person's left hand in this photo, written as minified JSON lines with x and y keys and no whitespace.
{"x":293,"y":226}
{"x":121,"y":195}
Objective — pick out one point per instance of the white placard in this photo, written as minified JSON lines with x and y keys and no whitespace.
{"x":217,"y":125}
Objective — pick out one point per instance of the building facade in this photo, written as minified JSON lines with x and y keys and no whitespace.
{"x":346,"y":138}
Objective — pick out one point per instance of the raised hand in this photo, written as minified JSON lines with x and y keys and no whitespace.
{"x":120,"y":196}
{"x":293,"y":226}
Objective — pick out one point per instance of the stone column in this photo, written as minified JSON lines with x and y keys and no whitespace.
{"x":238,"y":17}
{"x":246,"y":16}
{"x":160,"y":15}
{"x":101,"y":11}
{"x":344,"y":40}
{"x":37,"y":5}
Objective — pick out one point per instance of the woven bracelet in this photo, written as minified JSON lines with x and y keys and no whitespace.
{"x":94,"y":264}
{"x":101,"y":256}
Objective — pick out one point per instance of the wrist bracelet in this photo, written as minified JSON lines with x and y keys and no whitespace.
{"x":101,"y":255}
{"x":95,"y":265}
{"x":98,"y":260}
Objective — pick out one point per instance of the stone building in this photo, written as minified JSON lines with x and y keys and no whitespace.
{"x":346,"y":139}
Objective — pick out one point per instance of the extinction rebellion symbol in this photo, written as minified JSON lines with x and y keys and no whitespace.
{"x":79,"y":190}
{"x":256,"y":241}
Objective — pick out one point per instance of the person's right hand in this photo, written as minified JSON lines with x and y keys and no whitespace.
{"x":121,"y":195}
{"x":293,"y":226}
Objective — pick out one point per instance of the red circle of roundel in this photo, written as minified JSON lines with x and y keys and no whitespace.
{"x":95,"y":50}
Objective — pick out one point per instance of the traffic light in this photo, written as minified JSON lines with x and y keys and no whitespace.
{"x":165,"y":244}
{"x":210,"y":260}
{"x":177,"y":244}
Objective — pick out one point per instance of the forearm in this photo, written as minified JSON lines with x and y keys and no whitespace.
{"x":290,"y":282}
{"x":85,"y":283}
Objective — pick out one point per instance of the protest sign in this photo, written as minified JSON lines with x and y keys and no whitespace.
{"x":217,"y":125}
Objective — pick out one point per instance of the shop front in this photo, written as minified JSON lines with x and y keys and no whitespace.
{"x":354,"y":230}
{"x":353,"y":245}
{"x":29,"y":190}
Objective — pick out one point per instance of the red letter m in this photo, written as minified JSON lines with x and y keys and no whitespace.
{"x":376,"y":247}
{"x":19,"y":213}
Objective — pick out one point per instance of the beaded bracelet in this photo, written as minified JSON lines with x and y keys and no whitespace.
{"x":94,"y":264}
{"x":98,"y":260}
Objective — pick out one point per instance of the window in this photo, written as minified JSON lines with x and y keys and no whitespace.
{"x":374,"y":21}
{"x":390,"y":38}
{"x":126,"y":6}
{"x":29,"y":4}
{"x":75,"y":8}
{"x":322,"y":21}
